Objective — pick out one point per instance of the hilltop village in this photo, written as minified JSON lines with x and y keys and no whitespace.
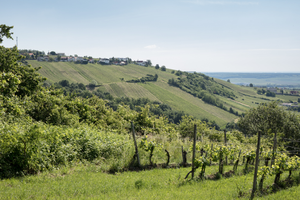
{"x":61,"y":57}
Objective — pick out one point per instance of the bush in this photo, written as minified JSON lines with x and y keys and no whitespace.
{"x":28,"y":148}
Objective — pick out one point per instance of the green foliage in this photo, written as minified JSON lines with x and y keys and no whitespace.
{"x":282,"y":163}
{"x":202,"y":162}
{"x":5,"y":32}
{"x":31,"y":147}
{"x":270,"y":119}
{"x":261,"y":91}
{"x":186,"y":126}
{"x":149,"y":146}
{"x":201,"y":86}
{"x":148,"y":78}
{"x":16,"y":78}
{"x":270,"y":94}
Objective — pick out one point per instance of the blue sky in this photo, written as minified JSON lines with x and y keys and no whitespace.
{"x":187,"y":35}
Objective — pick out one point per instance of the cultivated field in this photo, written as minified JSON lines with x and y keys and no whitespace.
{"x":113,"y":80}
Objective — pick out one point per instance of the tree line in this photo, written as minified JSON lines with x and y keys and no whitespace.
{"x":203,"y":87}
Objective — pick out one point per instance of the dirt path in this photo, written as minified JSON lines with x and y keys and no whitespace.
{"x":240,"y":103}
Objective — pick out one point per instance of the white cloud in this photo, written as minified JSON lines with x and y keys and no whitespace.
{"x":220,"y":2}
{"x":153,"y":46}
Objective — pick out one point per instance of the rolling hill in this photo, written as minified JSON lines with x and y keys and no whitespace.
{"x":113,"y":80}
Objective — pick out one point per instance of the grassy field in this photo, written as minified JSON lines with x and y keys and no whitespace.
{"x":113,"y":80}
{"x":87,"y":182}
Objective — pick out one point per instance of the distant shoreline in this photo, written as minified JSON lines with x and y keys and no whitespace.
{"x":270,"y":79}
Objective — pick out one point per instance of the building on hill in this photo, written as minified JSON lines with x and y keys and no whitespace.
{"x":293,"y":92}
{"x":104,"y":61}
{"x":84,"y":61}
{"x":71,"y":59}
{"x":43,"y":58}
{"x":64,"y":59}
{"x":141,"y":63}
{"x":79,"y":59}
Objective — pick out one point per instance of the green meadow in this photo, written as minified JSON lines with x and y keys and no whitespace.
{"x":85,"y":181}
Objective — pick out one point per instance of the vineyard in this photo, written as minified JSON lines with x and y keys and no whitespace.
{"x":269,"y":161}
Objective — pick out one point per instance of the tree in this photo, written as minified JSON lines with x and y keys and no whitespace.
{"x":251,"y":85}
{"x":156,"y":66}
{"x":64,"y":83}
{"x":52,"y":53}
{"x":5,"y":32}
{"x":148,"y":63}
{"x":265,"y":118}
{"x":281,"y":91}
{"x":163,"y":68}
{"x":228,"y":80}
{"x":93,"y":84}
{"x":15,"y":77}
{"x":270,"y":119}
{"x":178,"y":73}
{"x":270,"y":94}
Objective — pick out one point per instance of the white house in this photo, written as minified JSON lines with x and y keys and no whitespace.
{"x":64,"y":59}
{"x":71,"y":59}
{"x":43,"y":58}
{"x":79,"y":59}
{"x":104,"y":60}
{"x":140,"y":62}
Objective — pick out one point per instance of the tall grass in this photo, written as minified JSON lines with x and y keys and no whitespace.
{"x":84,"y":181}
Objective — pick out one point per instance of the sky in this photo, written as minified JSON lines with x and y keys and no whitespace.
{"x":186,"y":35}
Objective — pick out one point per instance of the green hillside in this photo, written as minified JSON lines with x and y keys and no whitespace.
{"x":113,"y":80}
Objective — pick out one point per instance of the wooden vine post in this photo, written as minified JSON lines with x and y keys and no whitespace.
{"x":184,"y":153}
{"x":194,"y":150}
{"x":212,"y":147}
{"x":256,"y":167}
{"x":168,"y":155}
{"x":136,"y":147}
{"x":225,"y":141}
{"x":274,"y":149}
